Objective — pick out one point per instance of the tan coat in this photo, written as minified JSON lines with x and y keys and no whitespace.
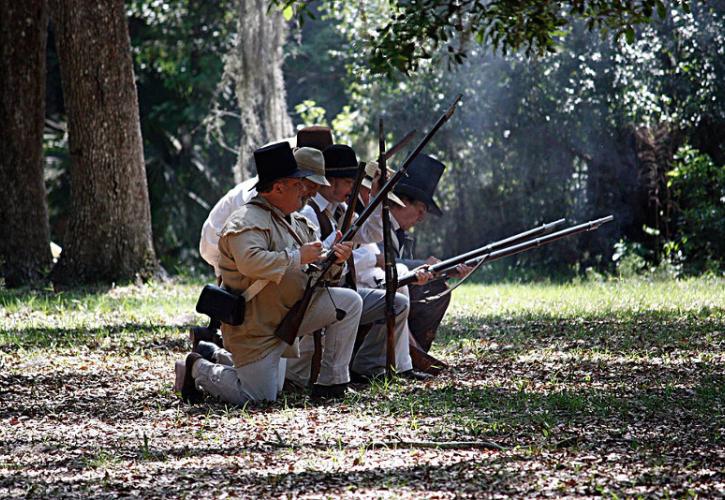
{"x":255,"y":245}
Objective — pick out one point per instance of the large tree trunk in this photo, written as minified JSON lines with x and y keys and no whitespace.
{"x":24,"y":233}
{"x":109,"y":233}
{"x":255,"y":64}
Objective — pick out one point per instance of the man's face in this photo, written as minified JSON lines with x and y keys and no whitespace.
{"x":411,"y":214}
{"x":291,"y":195}
{"x":339,"y":189}
{"x":311,"y":189}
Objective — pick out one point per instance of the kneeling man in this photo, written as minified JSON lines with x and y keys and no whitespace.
{"x":265,"y":246}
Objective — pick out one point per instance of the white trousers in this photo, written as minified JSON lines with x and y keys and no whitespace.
{"x":370,"y":359}
{"x":261,"y":380}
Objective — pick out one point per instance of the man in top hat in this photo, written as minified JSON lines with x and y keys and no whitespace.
{"x":265,"y":247}
{"x":416,"y":191}
{"x":314,"y":137}
{"x":326,"y":210}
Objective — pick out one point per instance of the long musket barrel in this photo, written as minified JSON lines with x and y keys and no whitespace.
{"x":488,"y":254}
{"x":459,"y":259}
{"x":389,"y":263}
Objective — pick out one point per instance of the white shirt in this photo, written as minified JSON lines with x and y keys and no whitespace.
{"x":366,"y":270}
{"x":369,"y":234}
{"x":235,"y":198}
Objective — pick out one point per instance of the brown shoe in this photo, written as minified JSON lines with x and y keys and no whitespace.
{"x":189,"y":392}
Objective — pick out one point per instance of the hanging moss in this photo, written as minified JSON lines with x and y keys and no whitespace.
{"x":254,"y":65}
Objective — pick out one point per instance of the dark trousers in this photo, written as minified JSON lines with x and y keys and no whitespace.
{"x":424,"y":318}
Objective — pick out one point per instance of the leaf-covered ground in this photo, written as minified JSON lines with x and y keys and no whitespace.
{"x":613,"y":388}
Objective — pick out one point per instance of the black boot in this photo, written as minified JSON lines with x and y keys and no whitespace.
{"x":205,"y":334}
{"x":189,"y":392}
{"x":207,"y":350}
{"x":335,"y":391}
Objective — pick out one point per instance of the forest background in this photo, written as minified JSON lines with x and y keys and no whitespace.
{"x":631,"y":125}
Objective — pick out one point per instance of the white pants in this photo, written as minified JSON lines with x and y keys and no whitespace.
{"x":261,"y":380}
{"x":370,"y":359}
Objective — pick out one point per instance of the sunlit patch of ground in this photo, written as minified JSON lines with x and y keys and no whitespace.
{"x":587,"y":389}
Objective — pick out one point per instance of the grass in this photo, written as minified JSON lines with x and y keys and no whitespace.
{"x":609,"y":388}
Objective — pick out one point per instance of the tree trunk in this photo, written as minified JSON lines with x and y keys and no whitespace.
{"x":109,"y":233}
{"x":255,"y":64}
{"x":24,"y":233}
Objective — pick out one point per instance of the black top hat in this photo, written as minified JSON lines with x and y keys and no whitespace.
{"x":340,"y":161}
{"x":316,"y":136}
{"x":421,"y":182}
{"x":275,"y":162}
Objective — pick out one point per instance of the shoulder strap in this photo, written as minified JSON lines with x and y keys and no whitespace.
{"x":286,"y":224}
{"x":322,"y":219}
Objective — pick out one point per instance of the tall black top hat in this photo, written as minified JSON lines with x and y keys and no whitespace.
{"x":340,"y":161}
{"x":420,"y":184}
{"x":275,"y":162}
{"x":315,"y":136}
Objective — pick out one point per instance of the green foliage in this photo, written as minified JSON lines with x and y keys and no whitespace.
{"x":630,"y":258}
{"x":539,"y":139}
{"x":698,"y":185}
{"x":413,"y":31}
{"x":178,"y":50}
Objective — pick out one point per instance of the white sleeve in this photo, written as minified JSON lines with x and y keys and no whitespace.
{"x":235,"y":198}
{"x":372,"y":230}
{"x":365,"y":256}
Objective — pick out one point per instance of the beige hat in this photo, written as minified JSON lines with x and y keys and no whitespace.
{"x":311,"y":159}
{"x":371,"y":168}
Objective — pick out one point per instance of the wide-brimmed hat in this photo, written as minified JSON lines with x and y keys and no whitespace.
{"x":340,"y":161}
{"x":371,"y":169}
{"x":276,"y":161}
{"x":315,"y":136}
{"x":312,"y":160}
{"x":420,"y":184}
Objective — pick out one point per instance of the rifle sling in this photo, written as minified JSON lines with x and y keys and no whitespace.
{"x":282,"y":220}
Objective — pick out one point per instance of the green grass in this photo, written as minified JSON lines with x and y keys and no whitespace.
{"x":584,"y":384}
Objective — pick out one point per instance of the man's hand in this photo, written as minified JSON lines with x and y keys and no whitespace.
{"x":461,"y":272}
{"x":343,"y":251}
{"x":310,"y":252}
{"x":422,"y":274}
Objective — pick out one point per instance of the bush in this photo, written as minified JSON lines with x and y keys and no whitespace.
{"x":697,"y":187}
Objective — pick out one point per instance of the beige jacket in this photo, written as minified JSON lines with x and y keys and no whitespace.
{"x":257,"y":244}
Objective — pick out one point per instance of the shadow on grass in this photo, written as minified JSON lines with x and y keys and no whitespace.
{"x":118,"y":337}
{"x":210,"y":480}
{"x":681,"y":330}
{"x":202,"y":470}
{"x":29,"y":296}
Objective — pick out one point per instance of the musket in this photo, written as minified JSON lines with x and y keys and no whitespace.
{"x":400,"y":145}
{"x":288,"y":329}
{"x":350,"y":212}
{"x":391,"y":275}
{"x":489,"y":253}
